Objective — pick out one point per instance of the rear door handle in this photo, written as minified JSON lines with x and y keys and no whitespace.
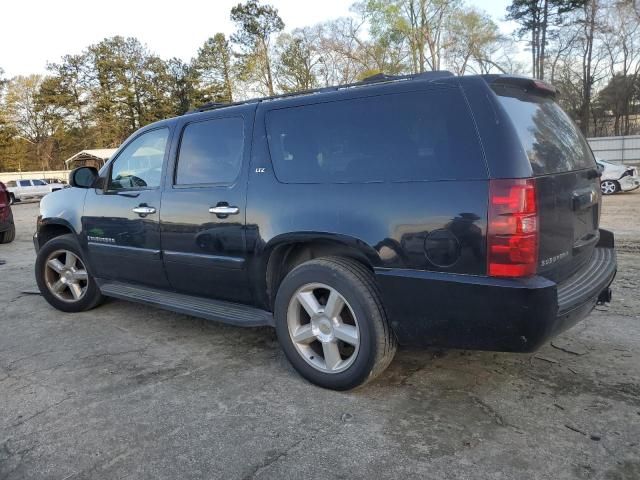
{"x":224,"y":210}
{"x":144,"y":210}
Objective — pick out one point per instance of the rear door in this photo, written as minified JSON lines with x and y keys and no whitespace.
{"x":203,"y":205}
{"x":567,"y":180}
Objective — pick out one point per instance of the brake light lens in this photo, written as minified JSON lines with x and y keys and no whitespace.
{"x":512,"y":231}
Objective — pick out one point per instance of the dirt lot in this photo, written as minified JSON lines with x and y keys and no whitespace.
{"x":128,"y":391}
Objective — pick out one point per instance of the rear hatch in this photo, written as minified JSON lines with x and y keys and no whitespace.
{"x":567,"y":182}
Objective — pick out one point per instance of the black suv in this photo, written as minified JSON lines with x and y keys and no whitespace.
{"x":425,"y":210}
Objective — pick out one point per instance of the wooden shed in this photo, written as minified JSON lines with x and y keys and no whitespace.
{"x":90,"y":158}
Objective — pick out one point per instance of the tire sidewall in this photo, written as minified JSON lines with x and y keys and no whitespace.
{"x":92,"y":295}
{"x":360,"y":369}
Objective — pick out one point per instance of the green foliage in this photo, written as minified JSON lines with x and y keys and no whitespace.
{"x":255,"y":24}
{"x":212,"y":69}
{"x":97,"y":98}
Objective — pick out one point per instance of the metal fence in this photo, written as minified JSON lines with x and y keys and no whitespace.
{"x":59,"y":174}
{"x":617,"y":149}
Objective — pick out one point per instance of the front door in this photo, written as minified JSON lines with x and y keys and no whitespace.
{"x":203,"y":207}
{"x":40,"y":187}
{"x":121,"y":221}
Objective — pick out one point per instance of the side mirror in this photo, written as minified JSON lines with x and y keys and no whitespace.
{"x":83,"y":177}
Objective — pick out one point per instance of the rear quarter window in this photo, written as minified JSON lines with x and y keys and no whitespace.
{"x":415,"y":136}
{"x":552,"y":142}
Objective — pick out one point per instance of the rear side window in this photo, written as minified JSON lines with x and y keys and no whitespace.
{"x":425,"y":135}
{"x":553,"y":143}
{"x":24,"y":183}
{"x":211,"y":152}
{"x":11,"y":183}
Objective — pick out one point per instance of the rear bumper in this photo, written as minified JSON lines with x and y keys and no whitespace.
{"x":484,"y":313}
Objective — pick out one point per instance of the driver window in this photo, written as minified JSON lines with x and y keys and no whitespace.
{"x":139,"y":165}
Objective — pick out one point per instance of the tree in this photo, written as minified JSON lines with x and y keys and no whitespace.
{"x":213,"y":69}
{"x":618,"y":98}
{"x":472,"y":39}
{"x":296,"y":61}
{"x":129,"y":88}
{"x":421,"y":23}
{"x":536,"y":18}
{"x":256,"y":24}
{"x":621,"y":39}
{"x":338,"y":61}
{"x":32,"y":120}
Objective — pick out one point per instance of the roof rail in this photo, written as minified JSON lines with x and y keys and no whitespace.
{"x":371,"y":80}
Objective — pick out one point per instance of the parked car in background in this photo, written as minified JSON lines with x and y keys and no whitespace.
{"x":426,"y":210}
{"x":7,"y":227}
{"x":617,"y":178}
{"x":54,"y":181}
{"x":31,"y":188}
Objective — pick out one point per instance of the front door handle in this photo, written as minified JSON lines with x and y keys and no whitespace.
{"x":224,"y":210}
{"x":143,"y":210}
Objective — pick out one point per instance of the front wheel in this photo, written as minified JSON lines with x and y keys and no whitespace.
{"x":331,"y":323}
{"x":609,"y":187}
{"x":62,"y":276}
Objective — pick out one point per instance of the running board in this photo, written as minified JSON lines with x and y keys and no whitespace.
{"x":220,"y":311}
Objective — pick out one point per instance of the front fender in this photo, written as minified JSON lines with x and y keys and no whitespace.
{"x":63,"y":208}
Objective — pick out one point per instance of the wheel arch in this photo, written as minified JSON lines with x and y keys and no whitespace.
{"x":285,"y":252}
{"x":52,"y":228}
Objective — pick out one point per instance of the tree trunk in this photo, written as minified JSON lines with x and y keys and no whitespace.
{"x":267,"y":64}
{"x":543,"y":41}
{"x":587,"y":77}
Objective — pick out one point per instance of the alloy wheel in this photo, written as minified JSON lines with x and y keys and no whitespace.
{"x":66,"y":276}
{"x":323,"y":328}
{"x":608,"y":187}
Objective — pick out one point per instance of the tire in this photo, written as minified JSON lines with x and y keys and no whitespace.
{"x":360,"y":361}
{"x":12,"y":199}
{"x":609,"y":187}
{"x":8,"y":235}
{"x":66,"y":300}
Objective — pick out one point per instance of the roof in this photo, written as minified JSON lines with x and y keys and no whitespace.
{"x":369,"y":81}
{"x":99,"y":153}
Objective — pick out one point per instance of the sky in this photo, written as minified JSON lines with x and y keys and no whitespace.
{"x":34,"y":32}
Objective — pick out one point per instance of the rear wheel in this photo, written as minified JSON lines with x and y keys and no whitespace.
{"x":331,"y":323}
{"x":12,"y":199}
{"x":63,"y":278}
{"x":609,"y":187}
{"x":8,"y":235}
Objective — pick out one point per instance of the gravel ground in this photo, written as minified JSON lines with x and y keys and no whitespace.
{"x":128,"y":391}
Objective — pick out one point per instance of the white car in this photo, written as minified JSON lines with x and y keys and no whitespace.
{"x":32,"y":188}
{"x":617,"y":178}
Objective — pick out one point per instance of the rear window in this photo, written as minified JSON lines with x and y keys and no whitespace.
{"x":211,"y":151}
{"x":426,"y":135}
{"x":553,"y":143}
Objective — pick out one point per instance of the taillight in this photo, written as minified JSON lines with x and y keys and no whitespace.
{"x":512,"y":231}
